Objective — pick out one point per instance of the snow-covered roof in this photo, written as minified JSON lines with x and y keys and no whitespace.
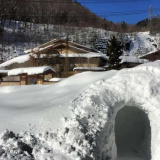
{"x":132,"y":59}
{"x":19,"y":59}
{"x":4,"y":71}
{"x":87,"y":55}
{"x":80,"y":45}
{"x":25,"y":58}
{"x":78,"y":55}
{"x":55,"y":79}
{"x":89,"y":68}
{"x":38,"y":49}
{"x":57,"y":42}
{"x":41,"y":46}
{"x":30,"y":70}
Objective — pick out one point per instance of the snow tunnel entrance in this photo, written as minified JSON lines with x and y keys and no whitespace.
{"x":132,"y":134}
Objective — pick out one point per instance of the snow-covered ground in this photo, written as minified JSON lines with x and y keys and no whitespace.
{"x":143,"y":43}
{"x":74,"y":119}
{"x":47,"y":105}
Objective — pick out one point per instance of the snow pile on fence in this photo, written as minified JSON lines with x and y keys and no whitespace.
{"x":30,"y":70}
{"x":84,"y":108}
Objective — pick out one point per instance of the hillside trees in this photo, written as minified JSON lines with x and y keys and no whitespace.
{"x":152,"y":25}
{"x":59,"y":12}
{"x":114,"y":51}
{"x":1,"y":77}
{"x":7,"y":11}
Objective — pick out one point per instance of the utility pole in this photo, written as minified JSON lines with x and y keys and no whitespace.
{"x":67,"y":45}
{"x":150,"y":16}
{"x":66,"y":57}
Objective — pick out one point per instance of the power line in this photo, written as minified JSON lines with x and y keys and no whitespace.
{"x":107,"y":14}
{"x":87,"y":1}
{"x":135,"y":12}
{"x":150,"y":16}
{"x":115,"y":1}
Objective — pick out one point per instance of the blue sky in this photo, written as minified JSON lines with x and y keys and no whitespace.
{"x":103,"y":9}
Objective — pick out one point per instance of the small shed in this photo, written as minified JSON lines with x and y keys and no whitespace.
{"x":32,"y":75}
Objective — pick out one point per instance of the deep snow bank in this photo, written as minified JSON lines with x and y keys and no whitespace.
{"x":87,"y":130}
{"x":40,"y":106}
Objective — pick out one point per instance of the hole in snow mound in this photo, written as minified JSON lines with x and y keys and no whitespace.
{"x":133,"y":134}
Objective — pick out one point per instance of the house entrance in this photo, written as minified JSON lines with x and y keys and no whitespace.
{"x":132,"y":134}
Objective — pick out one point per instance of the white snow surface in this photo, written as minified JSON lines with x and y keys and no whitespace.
{"x":56,"y":79}
{"x":74,"y":119}
{"x":30,"y":70}
{"x":4,"y":71}
{"x":85,"y":55}
{"x":133,"y":59}
{"x":89,"y":68}
{"x":142,"y":43}
{"x":19,"y":59}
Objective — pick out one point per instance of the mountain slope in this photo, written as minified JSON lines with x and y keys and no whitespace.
{"x":59,"y":12}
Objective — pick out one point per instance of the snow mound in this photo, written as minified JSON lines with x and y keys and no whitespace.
{"x":85,"y":106}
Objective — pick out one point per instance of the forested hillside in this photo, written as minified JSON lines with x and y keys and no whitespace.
{"x":59,"y":12}
{"x":147,"y":24}
{"x":64,"y":12}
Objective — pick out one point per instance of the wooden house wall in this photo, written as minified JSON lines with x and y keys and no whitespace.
{"x":23,"y":81}
{"x":78,"y":61}
{"x":11,"y":78}
{"x":9,"y":83}
{"x":62,"y":50}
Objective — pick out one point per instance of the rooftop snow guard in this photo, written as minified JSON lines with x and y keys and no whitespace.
{"x":92,"y":132}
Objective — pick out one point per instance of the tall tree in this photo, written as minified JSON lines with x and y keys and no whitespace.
{"x":114,"y":51}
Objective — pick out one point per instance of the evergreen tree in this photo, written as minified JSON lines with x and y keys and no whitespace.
{"x":114,"y":51}
{"x":1,"y":77}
